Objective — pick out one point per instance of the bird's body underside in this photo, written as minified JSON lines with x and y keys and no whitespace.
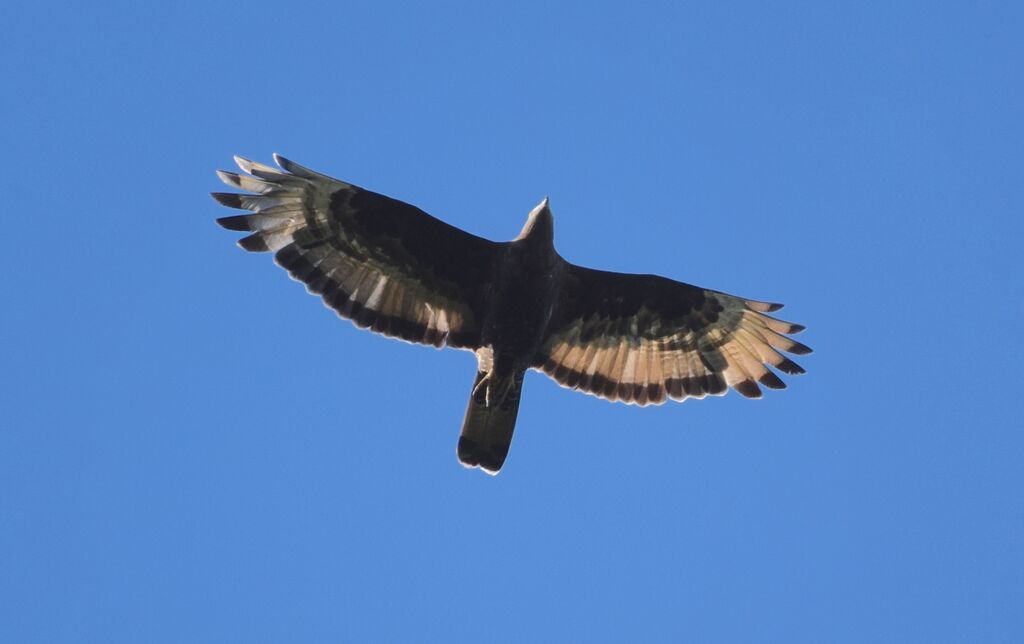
{"x":517,"y":305}
{"x":525,"y":287}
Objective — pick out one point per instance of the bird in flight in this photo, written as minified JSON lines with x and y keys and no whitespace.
{"x":390,"y":267}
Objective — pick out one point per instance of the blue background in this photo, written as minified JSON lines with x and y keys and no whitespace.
{"x":194,"y":450}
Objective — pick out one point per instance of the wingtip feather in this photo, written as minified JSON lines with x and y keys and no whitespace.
{"x":254,"y":243}
{"x":230,"y":178}
{"x":235,"y":222}
{"x":788,"y":366}
{"x":748,"y":388}
{"x":762,"y":307}
{"x":229,"y":199}
{"x":770,"y":380}
{"x":281,"y":161}
{"x":300,"y":171}
{"x":246,"y":165}
{"x":799,"y":348}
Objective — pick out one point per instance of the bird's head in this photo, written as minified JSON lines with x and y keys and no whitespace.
{"x":540,"y":224}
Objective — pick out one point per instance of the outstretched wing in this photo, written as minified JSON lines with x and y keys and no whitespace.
{"x":386,"y":265}
{"x":642,"y":339}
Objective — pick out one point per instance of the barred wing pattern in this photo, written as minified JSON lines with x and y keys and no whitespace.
{"x":384,"y":264}
{"x":642,"y":339}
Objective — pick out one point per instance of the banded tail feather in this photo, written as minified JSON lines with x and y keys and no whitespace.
{"x":490,"y":420}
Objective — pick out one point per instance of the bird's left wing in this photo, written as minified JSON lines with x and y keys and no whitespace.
{"x":384,"y":264}
{"x":643,"y":338}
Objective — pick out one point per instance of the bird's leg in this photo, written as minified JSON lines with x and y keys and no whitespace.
{"x":484,"y":382}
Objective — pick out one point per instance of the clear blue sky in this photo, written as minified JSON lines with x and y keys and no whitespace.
{"x":194,"y":450}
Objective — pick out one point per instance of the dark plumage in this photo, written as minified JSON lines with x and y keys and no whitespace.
{"x":392,"y":268}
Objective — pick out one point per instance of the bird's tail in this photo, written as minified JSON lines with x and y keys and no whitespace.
{"x":490,"y":420}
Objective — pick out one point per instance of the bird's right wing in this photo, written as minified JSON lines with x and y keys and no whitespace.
{"x":384,"y":264}
{"x":643,"y":338}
